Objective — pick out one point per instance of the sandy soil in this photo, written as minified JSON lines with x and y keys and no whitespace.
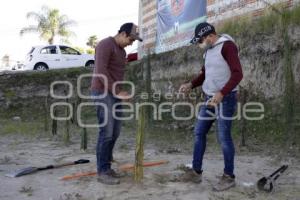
{"x":159,"y":182}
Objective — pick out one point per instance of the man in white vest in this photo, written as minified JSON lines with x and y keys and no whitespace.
{"x":219,"y":78}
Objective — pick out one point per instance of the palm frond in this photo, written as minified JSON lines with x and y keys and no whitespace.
{"x":66,"y":33}
{"x":37,"y":16}
{"x":64,"y":21}
{"x":67,"y":23}
{"x":45,"y":9}
{"x":29,"y":29}
{"x":45,"y":35}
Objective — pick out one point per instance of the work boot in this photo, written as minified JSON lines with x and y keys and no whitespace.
{"x":108,"y":179}
{"x":225,"y":182}
{"x":191,"y":175}
{"x":115,"y":174}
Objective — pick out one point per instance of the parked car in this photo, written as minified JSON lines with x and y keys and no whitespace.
{"x":17,"y":66}
{"x":55,"y":57}
{"x":132,"y":57}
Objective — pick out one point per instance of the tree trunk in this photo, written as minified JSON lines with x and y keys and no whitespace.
{"x":50,"y":40}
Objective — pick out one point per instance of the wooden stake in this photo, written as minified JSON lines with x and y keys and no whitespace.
{"x":84,"y":140}
{"x":54,"y":123}
{"x":148,"y":87}
{"x":66,"y":135}
{"x":46,"y":120}
{"x":139,"y":152}
{"x":243,"y":99}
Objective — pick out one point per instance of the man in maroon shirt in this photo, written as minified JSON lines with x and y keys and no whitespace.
{"x":219,"y":78}
{"x":110,"y":59}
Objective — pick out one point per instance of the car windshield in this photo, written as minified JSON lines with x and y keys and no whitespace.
{"x":32,"y":49}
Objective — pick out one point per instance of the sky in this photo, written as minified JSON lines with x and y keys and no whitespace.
{"x":93,"y":17}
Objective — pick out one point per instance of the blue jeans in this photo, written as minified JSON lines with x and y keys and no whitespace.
{"x":108,"y":133}
{"x":205,"y":119}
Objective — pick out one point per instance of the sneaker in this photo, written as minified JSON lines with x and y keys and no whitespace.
{"x":191,"y":176}
{"x":224,"y":183}
{"x":108,"y":179}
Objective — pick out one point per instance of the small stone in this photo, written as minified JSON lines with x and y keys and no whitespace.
{"x":16,"y":118}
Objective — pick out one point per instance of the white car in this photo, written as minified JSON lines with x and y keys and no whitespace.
{"x":56,"y":56}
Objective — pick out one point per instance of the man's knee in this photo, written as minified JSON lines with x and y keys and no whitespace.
{"x":108,"y":138}
{"x":226,"y":141}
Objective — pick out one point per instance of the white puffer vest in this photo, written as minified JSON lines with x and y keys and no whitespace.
{"x":217,"y":71}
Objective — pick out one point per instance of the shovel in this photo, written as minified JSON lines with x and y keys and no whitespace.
{"x":31,"y":170}
{"x":267,"y":183}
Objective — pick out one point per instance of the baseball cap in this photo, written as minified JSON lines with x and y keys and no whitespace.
{"x":202,"y":30}
{"x":132,"y":30}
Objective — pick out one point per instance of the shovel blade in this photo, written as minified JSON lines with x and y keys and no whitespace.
{"x":21,"y":172}
{"x":265,"y":185}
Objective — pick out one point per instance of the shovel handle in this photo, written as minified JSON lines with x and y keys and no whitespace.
{"x":81,"y":161}
{"x":281,"y":169}
{"x":46,"y":167}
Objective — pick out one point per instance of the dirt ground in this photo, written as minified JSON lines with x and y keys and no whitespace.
{"x":159,"y":182}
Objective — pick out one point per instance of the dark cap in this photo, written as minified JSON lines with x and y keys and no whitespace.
{"x":202,"y":30}
{"x":132,"y":30}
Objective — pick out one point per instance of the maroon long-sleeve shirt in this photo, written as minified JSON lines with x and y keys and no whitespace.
{"x":110,"y":61}
{"x":230,"y":54}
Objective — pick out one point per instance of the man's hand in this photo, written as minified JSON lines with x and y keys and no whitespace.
{"x":123,"y":95}
{"x":185,"y":88}
{"x":215,"y":100}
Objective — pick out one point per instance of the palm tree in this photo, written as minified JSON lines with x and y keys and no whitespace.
{"x":92,"y":41}
{"x":5,"y":60}
{"x":49,"y":24}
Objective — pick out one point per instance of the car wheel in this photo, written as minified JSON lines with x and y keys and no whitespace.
{"x":41,"y":67}
{"x":90,"y":64}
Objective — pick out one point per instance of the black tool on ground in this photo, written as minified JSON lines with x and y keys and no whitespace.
{"x":30,"y":170}
{"x":267,"y":183}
